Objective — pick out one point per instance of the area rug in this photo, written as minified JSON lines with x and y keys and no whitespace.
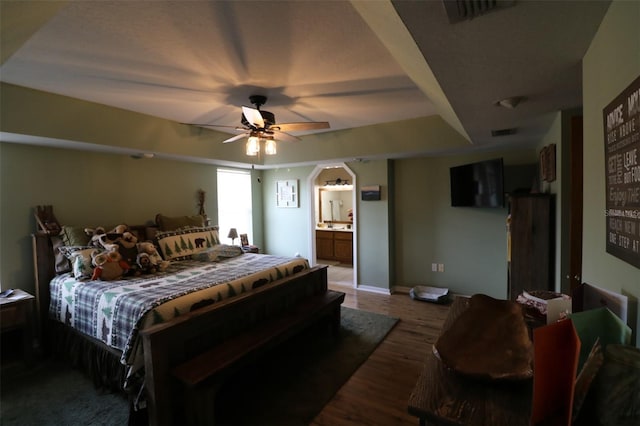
{"x":288,"y":387}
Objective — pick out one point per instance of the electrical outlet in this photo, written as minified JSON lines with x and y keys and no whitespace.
{"x":440,"y":267}
{"x":434,"y":267}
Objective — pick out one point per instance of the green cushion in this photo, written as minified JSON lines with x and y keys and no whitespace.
{"x":74,"y":236}
{"x":168,"y":223}
{"x":599,"y":323}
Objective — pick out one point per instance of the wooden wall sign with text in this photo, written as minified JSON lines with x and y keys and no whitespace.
{"x":622,"y":171}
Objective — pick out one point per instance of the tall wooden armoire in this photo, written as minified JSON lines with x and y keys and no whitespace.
{"x":532,"y":256}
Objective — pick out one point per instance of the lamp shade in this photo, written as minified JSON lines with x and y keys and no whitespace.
{"x":270,"y":146}
{"x":233,"y":233}
{"x":253,"y":147}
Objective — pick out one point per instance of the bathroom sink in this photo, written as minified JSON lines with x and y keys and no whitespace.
{"x":333,"y":227}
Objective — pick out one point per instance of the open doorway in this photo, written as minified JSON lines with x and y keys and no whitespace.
{"x":333,"y":222}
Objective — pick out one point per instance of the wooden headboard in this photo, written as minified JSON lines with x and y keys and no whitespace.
{"x":44,"y":261}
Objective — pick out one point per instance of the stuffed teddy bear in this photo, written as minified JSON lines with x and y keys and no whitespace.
{"x":108,"y":266}
{"x":127,"y":247}
{"x":145,"y":265}
{"x":149,"y":248}
{"x":100,"y":238}
{"x":94,"y":235}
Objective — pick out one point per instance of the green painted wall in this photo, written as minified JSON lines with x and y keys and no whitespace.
{"x":425,"y":228}
{"x":32,"y":112}
{"x":470,"y":242}
{"x":88,"y":189}
{"x":70,"y":119}
{"x":285,"y":231}
{"x":289,"y":230}
{"x":610,"y":65}
{"x":373,"y":226}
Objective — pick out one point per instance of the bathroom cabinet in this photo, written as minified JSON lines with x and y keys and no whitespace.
{"x":335,"y":245}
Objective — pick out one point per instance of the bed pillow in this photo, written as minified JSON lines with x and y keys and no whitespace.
{"x":183,"y":243}
{"x":62,"y":264}
{"x":168,"y":223}
{"x":80,"y":258}
{"x":74,"y":236}
{"x":217,"y":253}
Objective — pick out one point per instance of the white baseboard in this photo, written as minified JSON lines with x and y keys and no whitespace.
{"x":405,"y":290}
{"x":373,"y":289}
{"x":397,"y":289}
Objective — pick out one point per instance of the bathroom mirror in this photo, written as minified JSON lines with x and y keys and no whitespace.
{"x":334,"y":205}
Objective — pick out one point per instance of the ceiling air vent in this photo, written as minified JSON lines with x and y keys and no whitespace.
{"x":504,"y":132}
{"x":461,"y":10}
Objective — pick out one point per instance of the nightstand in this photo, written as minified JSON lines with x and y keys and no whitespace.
{"x":17,"y":313}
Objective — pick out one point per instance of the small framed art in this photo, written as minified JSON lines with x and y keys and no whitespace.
{"x":287,"y":193}
{"x":370,"y":193}
{"x":548,"y":163}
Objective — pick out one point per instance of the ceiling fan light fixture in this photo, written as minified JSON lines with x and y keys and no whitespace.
{"x":253,"y":146}
{"x":270,"y":146}
{"x":260,"y":127}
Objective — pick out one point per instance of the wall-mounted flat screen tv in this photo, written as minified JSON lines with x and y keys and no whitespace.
{"x":478,"y":184}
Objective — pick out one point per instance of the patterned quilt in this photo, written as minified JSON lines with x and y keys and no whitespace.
{"x":114,"y":311}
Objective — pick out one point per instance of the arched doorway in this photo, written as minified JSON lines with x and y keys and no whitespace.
{"x":334,"y":177}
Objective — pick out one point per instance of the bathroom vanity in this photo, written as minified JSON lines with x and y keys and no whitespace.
{"x":335,"y":244}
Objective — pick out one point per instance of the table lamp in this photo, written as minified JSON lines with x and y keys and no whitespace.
{"x":233,"y":234}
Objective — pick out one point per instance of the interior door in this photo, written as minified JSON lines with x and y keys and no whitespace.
{"x":574,"y":276}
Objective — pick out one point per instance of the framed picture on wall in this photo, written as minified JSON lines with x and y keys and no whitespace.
{"x":550,"y":158}
{"x":370,"y":193}
{"x":548,"y":163}
{"x":287,"y":193}
{"x":622,"y":165}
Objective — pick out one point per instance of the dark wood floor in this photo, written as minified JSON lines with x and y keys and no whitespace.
{"x":378,"y":392}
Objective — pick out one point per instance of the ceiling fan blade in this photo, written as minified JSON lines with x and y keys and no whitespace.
{"x":295,"y":127}
{"x":285,"y":137}
{"x":219,"y":126}
{"x":235,"y":138}
{"x":253,"y":116}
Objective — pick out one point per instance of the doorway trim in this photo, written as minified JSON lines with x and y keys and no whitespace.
{"x":313,"y":202}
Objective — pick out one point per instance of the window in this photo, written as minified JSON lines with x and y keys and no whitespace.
{"x":234,"y":203}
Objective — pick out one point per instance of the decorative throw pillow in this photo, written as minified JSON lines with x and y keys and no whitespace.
{"x":74,"y":236}
{"x":217,"y":253}
{"x":62,"y":263}
{"x":182,"y":243}
{"x":80,"y":258}
{"x":168,"y":223}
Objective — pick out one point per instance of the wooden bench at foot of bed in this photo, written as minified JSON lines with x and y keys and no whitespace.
{"x":172,"y":349}
{"x":202,"y":376}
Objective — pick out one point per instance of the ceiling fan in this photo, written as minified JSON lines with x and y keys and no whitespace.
{"x":262,"y":124}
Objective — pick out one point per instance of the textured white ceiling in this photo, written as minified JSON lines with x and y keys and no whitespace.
{"x":532,"y":49}
{"x":199,"y":61}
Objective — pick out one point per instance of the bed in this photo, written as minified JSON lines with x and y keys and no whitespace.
{"x":130,"y":333}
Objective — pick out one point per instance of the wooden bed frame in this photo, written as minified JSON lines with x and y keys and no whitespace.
{"x":171,"y":345}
